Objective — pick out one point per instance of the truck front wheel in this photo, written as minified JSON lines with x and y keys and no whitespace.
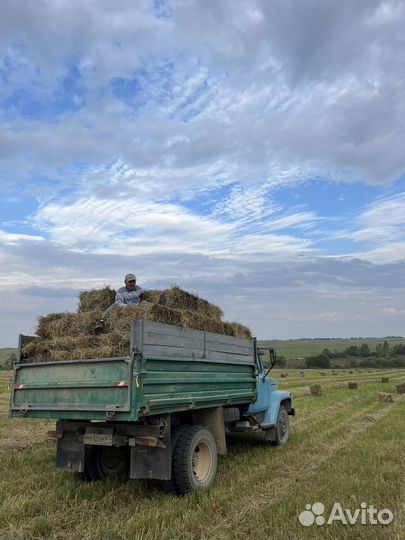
{"x":195,"y":459}
{"x":104,"y":462}
{"x":282,"y":428}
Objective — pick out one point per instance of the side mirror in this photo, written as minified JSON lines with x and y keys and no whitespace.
{"x":273,"y":360}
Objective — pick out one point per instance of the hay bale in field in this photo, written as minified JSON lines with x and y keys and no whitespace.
{"x":386,"y":398}
{"x":385,"y":379}
{"x":316,"y":390}
{"x":352,"y":385}
{"x":400,"y":388}
{"x":283,"y":375}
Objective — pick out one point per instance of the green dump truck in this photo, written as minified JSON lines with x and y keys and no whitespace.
{"x":162,"y":412}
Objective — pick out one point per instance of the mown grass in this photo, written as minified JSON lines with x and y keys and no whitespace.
{"x":345,"y":447}
{"x":5,"y":354}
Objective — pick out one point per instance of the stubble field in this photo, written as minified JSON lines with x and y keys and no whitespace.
{"x":345,"y":447}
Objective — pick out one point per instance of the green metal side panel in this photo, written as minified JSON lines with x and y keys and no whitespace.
{"x":171,"y":384}
{"x":170,"y":369}
{"x":182,"y":369}
{"x":79,"y":389}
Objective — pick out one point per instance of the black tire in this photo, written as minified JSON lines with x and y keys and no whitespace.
{"x":195,"y":459}
{"x":170,"y":486}
{"x":102,"y":462}
{"x":282,"y":428}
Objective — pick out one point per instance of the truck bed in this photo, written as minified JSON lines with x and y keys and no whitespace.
{"x":168,"y":369}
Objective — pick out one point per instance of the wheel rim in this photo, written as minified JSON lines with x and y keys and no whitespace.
{"x":202,"y":461}
{"x":112,"y":461}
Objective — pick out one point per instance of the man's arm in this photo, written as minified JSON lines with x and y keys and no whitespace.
{"x":119,"y":299}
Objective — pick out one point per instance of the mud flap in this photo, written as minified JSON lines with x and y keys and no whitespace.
{"x":70,"y":455}
{"x":271,"y":434}
{"x":152,"y":461}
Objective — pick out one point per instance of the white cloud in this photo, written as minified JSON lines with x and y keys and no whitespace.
{"x":381,"y":225}
{"x":238,"y":87}
{"x":15,"y":238}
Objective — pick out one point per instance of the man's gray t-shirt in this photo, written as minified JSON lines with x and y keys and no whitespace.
{"x":124,"y":296}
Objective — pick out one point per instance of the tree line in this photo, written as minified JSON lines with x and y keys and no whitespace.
{"x":362,"y":356}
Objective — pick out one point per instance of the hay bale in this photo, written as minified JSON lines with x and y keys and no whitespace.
{"x":316,"y":390}
{"x":386,"y":398}
{"x":96,"y":299}
{"x":152,"y":295}
{"x":283,"y":375}
{"x":400,"y":388}
{"x":352,"y":385}
{"x":238,"y":330}
{"x":385,"y":379}
{"x":177,"y":298}
{"x":121,"y":318}
{"x":63,"y":324}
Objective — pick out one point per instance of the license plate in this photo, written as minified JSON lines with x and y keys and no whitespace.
{"x":102,"y":439}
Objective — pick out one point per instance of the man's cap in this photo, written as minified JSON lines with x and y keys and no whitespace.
{"x":130,"y":277}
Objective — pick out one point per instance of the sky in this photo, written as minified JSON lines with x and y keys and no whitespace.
{"x":249,"y":151}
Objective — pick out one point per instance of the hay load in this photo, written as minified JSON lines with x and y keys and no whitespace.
{"x":67,"y":336}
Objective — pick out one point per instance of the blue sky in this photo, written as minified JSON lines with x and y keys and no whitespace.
{"x":252,"y":152}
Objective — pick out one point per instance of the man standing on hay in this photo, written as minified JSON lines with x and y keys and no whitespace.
{"x":130,"y":294}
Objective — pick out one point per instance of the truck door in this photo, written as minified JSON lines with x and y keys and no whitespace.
{"x":262,"y":386}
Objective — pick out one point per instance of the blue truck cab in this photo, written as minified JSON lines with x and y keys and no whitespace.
{"x":272,"y":406}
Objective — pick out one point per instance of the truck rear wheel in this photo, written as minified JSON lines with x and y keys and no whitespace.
{"x":195,"y":459}
{"x":282,"y":428}
{"x":104,"y":462}
{"x":170,"y":486}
